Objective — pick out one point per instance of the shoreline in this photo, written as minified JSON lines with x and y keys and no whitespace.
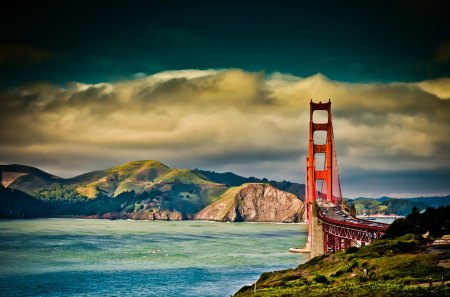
{"x":74,"y":217}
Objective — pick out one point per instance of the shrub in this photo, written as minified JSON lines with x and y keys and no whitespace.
{"x":129,"y":208}
{"x":351,"y":250}
{"x":322,"y":279}
{"x":264,"y":276}
{"x":289,"y":278}
{"x":338,"y":273}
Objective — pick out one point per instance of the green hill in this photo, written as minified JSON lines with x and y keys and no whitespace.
{"x":399,"y":206}
{"x":233,"y":180}
{"x":133,"y":176}
{"x":149,"y":185}
{"x":139,"y":186}
{"x":183,"y":176}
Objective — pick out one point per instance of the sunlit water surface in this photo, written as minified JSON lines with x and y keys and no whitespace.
{"x":70,"y":257}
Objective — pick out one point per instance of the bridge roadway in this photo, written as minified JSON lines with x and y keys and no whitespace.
{"x":334,"y":214}
{"x":333,"y":229}
{"x":341,"y":229}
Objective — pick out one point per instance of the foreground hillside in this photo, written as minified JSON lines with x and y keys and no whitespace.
{"x":390,"y":267}
{"x":401,"y":264}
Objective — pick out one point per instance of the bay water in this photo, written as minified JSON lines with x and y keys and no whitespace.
{"x":78,"y":257}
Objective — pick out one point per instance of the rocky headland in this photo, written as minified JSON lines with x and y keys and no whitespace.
{"x":254,"y":203}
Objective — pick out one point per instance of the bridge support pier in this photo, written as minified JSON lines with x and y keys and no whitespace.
{"x":317,"y":234}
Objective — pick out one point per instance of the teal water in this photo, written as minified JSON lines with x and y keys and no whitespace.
{"x":70,"y":257}
{"x":384,"y":220}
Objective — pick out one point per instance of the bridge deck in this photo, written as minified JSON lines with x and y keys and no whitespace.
{"x":333,"y":214}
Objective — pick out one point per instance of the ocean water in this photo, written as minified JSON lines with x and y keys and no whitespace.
{"x":71,"y":257}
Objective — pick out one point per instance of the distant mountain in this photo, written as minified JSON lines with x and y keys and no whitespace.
{"x":399,"y":206}
{"x":26,"y":178}
{"x":432,"y":201}
{"x":145,"y":189}
{"x":232,"y":180}
{"x":149,"y":189}
{"x":228,"y":178}
{"x":254,"y":203}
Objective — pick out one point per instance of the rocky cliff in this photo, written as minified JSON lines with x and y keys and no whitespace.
{"x":254,"y":203}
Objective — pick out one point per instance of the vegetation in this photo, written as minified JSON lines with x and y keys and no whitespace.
{"x":233,"y":180}
{"x":228,"y":178}
{"x":17,"y":204}
{"x":388,"y":267}
{"x":186,"y":191}
{"x":386,"y":205}
{"x":183,"y":176}
{"x":433,"y":221}
{"x":117,"y":189}
{"x":133,"y":176}
{"x":400,"y":264}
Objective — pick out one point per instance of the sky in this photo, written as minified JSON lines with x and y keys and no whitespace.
{"x":226,"y":86}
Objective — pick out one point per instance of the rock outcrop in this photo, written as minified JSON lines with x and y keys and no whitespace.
{"x":162,"y":215}
{"x":254,"y":203}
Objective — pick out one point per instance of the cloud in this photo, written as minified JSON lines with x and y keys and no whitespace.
{"x":22,"y":55}
{"x":251,"y":123}
{"x":439,"y":87}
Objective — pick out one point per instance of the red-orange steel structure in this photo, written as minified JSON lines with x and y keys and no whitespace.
{"x":337,"y":233}
{"x":331,"y":189}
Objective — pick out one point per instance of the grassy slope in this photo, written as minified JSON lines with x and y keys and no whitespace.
{"x":183,"y":176}
{"x":386,"y":205}
{"x":130,"y":176}
{"x":185,"y":190}
{"x":233,"y":180}
{"x":227,"y":199}
{"x":395,"y":267}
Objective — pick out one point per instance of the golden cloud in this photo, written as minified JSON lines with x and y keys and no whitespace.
{"x":252,"y":123}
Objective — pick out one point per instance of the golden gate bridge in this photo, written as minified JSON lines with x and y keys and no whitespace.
{"x":331,"y":227}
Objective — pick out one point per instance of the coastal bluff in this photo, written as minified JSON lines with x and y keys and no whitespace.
{"x":254,"y":202}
